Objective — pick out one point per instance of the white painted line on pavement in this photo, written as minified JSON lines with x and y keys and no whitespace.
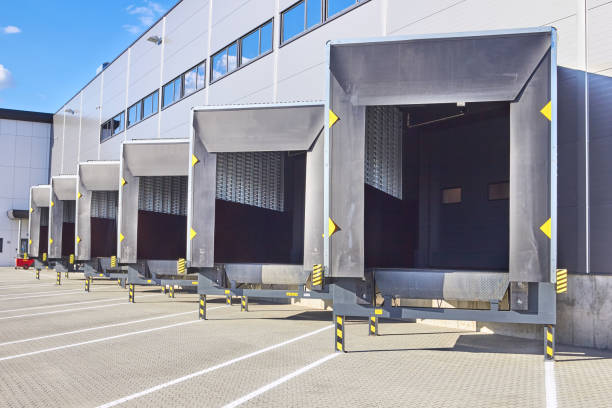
{"x":278,"y":382}
{"x":64,"y":304}
{"x":550,"y":384}
{"x":211,"y":369}
{"x":69,"y":310}
{"x":31,"y":353}
{"x":27,"y":286}
{"x":96,"y":328}
{"x":50,"y":294}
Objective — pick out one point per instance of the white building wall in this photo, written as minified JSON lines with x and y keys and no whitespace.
{"x":24,"y":161}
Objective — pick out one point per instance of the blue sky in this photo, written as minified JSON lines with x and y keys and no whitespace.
{"x":49,"y":49}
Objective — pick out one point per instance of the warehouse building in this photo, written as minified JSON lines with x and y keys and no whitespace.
{"x":25,"y":147}
{"x":220,"y":52}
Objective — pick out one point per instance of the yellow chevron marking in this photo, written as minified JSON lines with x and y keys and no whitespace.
{"x":333,"y":118}
{"x":339,"y":319}
{"x":194,"y":160}
{"x":192,"y":234}
{"x":547,"y":111}
{"x":545,"y":228}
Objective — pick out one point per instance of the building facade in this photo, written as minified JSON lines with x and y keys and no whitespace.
{"x":213,"y":52}
{"x":25,"y":147}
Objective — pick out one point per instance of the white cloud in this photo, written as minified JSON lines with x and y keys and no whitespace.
{"x":11,"y":30}
{"x":146,"y":14}
{"x":6,"y":78}
{"x":132,"y":28}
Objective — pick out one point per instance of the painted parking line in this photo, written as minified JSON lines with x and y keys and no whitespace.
{"x":69,"y":310}
{"x":27,"y":286}
{"x":281,"y":380}
{"x":49,"y":294}
{"x":550,"y":384}
{"x":211,"y":369}
{"x":48,"y":336}
{"x":63,"y":304}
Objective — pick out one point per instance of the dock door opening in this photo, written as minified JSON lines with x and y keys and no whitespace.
{"x":436,"y":186}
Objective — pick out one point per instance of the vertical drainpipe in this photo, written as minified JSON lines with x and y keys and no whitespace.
{"x":208,"y":61}
{"x":326,"y":163}
{"x":161,"y":78}
{"x":127,"y":89}
{"x":100,"y":111}
{"x":275,"y":41}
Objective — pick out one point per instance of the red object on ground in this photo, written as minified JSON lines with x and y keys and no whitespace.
{"x":23,"y":263}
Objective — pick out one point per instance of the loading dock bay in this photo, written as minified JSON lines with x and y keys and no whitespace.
{"x":61,"y":346}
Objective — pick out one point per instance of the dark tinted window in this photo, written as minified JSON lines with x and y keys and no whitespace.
{"x":105,"y":132}
{"x":118,"y":123}
{"x":336,"y":6}
{"x":293,"y":21}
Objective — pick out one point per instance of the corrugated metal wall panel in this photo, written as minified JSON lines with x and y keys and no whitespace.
{"x":69,"y":211}
{"x":383,"y":162}
{"x":163,"y":194}
{"x":253,"y":178}
{"x":104,"y":204}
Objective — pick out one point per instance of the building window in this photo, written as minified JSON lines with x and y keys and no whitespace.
{"x":451,"y":195}
{"x":499,"y":191}
{"x":307,"y":14}
{"x":134,"y":113}
{"x":112,"y":127}
{"x":118,"y":123}
{"x":1,"y":244}
{"x":256,"y":43}
{"x":301,"y":17}
{"x":184,"y":85}
{"x":172,"y":92}
{"x":248,"y":48}
{"x":336,"y":6}
{"x":106,"y":132}
{"x":150,"y":104}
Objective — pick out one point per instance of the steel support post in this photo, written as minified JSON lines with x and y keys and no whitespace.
{"x":202,"y":312}
{"x":87,"y":284}
{"x":373,"y":331}
{"x":549,"y":342}
{"x":66,"y":275}
{"x":228,"y":299}
{"x":171,"y":293}
{"x":38,"y":274}
{"x":131,"y":293}
{"x":340,"y":334}
{"x":244,"y":304}
{"x":163,"y":289}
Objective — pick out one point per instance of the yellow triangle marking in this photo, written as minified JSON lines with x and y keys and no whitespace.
{"x":79,"y":195}
{"x":547,"y":111}
{"x":78,"y":239}
{"x":52,"y":203}
{"x":333,"y":118}
{"x":50,"y":240}
{"x":194,"y":160}
{"x":545,"y":228}
{"x":31,"y":210}
{"x":123,"y":182}
{"x":121,"y":237}
{"x":192,"y":234}
{"x":333,"y":227}
{"x":30,"y":241}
